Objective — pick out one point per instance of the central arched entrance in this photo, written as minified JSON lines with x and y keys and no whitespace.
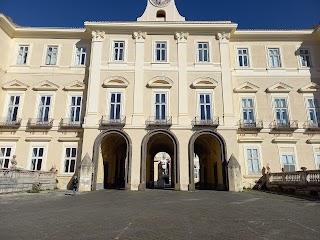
{"x":207,"y":161}
{"x":153,"y":171}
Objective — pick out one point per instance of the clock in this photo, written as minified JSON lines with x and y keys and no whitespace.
{"x":160,"y":3}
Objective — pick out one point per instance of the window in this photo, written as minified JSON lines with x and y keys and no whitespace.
{"x":13,"y":108}
{"x":5,"y":156}
{"x":115,"y":106}
{"x":52,"y":54}
{"x":161,"y":51}
{"x":288,"y":163}
{"x":248,"y":110}
{"x":203,"y":52}
{"x":243,"y":57}
{"x":81,"y":56}
{"x":281,"y":111}
{"x":118,"y":51}
{"x":313,"y":106}
{"x":318,"y":161}
{"x":304,"y":55}
{"x":22,"y":55}
{"x":205,"y":106}
{"x":75,"y":109}
{"x":253,"y":161}
{"x":274,"y":57}
{"x":161,"y":106}
{"x":70,"y":159}
{"x":44,"y":109}
{"x":37,"y":158}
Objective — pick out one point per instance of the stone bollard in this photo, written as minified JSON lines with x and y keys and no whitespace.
{"x":86,"y":170}
{"x":234,"y":174}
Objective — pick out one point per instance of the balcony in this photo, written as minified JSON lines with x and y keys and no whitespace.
{"x":245,"y":125}
{"x":8,"y":123}
{"x":156,"y":122}
{"x":284,"y":125}
{"x":198,"y":122}
{"x":108,"y":121}
{"x":311,"y":126}
{"x":40,"y":123}
{"x":67,"y":123}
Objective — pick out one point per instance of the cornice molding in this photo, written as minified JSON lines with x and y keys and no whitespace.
{"x":115,"y":82}
{"x":279,"y":88}
{"x":309,"y":88}
{"x":160,"y":82}
{"x":74,"y":86}
{"x":45,"y":86}
{"x":246,"y":88}
{"x":15,"y":85}
{"x":204,"y":82}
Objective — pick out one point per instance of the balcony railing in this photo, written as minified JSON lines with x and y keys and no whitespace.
{"x":107,"y":121}
{"x":40,"y":123}
{"x":67,"y":123}
{"x":289,"y":125}
{"x":253,"y":125}
{"x":198,"y":122}
{"x":311,"y":126}
{"x":156,"y":121}
{"x":8,"y":123}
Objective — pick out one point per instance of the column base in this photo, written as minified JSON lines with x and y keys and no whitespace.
{"x":142,"y":187}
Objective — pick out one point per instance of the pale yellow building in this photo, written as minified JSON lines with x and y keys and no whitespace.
{"x":122,"y":92}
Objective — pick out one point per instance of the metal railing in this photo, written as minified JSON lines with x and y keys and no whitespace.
{"x":253,"y":125}
{"x":9,"y":123}
{"x":311,"y":126}
{"x":40,"y":123}
{"x":70,"y":123}
{"x":106,"y":121}
{"x":284,"y":125}
{"x":156,"y":121}
{"x":197,"y":122}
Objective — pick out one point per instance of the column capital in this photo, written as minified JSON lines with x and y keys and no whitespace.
{"x":223,"y":37}
{"x":98,"y":36}
{"x":181,"y":37}
{"x":139,"y":36}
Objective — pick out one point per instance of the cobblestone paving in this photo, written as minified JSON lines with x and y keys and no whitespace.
{"x":157,"y":214}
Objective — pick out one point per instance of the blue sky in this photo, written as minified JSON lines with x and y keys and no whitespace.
{"x":249,"y":14}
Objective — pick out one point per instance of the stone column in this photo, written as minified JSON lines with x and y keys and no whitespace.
{"x":91,"y":118}
{"x":226,"y":76}
{"x":86,"y":170}
{"x":137,"y":118}
{"x":234,"y":175}
{"x":183,"y":117}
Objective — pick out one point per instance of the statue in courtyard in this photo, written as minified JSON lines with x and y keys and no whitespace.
{"x":14,"y":162}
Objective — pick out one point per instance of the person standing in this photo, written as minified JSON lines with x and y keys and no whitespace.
{"x":74,"y":185}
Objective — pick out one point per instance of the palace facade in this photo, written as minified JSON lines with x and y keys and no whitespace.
{"x":120,"y":93}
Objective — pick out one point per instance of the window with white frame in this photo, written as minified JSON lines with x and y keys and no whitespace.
{"x":115,"y":106}
{"x":161,"y":51}
{"x":253,"y":161}
{"x":248,"y":110}
{"x":203,"y":52}
{"x":304,"y":55}
{"x":161,"y":106}
{"x":205,"y":106}
{"x":243,"y":57}
{"x":118,"y":51}
{"x":5,"y":156}
{"x":288,"y":162}
{"x":318,"y":160}
{"x":13,"y":108}
{"x":281,"y":111}
{"x":37,"y":158}
{"x":44,"y":108}
{"x":75,"y":109}
{"x":22,"y":55}
{"x":274,"y":57}
{"x":70,"y":158}
{"x":81,"y":55}
{"x":52,"y":55}
{"x":313,"y":108}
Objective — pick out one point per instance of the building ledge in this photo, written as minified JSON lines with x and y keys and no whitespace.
{"x":9,"y":138}
{"x":39,"y":139}
{"x":69,"y":139}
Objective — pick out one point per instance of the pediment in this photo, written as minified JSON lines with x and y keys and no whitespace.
{"x":115,"y":82}
{"x":279,"y":87}
{"x":311,"y":87}
{"x":45,"y":86}
{"x":246,"y":88}
{"x":14,"y":85}
{"x":74,"y":86}
{"x":206,"y":82}
{"x":160,"y":82}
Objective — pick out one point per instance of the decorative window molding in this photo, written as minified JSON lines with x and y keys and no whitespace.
{"x":246,"y":88}
{"x":311,"y":87}
{"x":74,"y":86}
{"x":115,"y":82}
{"x":15,"y":85}
{"x":206,"y":82}
{"x":279,"y":88}
{"x":45,"y":86}
{"x":160,"y":82}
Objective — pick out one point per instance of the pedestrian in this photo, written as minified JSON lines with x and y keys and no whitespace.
{"x":74,"y":185}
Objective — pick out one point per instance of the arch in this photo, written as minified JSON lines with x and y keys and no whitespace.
{"x":161,"y":14}
{"x":204,"y":82}
{"x":115,"y":82}
{"x":223,"y":148}
{"x":160,"y":82}
{"x":95,"y":158}
{"x":144,"y":150}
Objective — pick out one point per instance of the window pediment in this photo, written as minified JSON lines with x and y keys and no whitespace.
{"x":14,"y":85}
{"x":115,"y":82}
{"x":74,"y":86}
{"x":279,"y":88}
{"x":160,"y":82}
{"x":311,"y":87}
{"x":246,"y":88}
{"x":45,"y":86}
{"x":204,"y":83}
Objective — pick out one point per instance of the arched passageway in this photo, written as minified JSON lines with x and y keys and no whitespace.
{"x":207,"y":157}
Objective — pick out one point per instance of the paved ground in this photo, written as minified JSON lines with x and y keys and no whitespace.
{"x":158,"y":214}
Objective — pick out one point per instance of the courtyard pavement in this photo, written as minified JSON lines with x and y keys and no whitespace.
{"x":157,"y":214}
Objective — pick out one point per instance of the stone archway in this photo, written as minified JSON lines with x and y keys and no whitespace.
{"x":102,"y":139}
{"x":210,"y":146}
{"x":156,"y":141}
